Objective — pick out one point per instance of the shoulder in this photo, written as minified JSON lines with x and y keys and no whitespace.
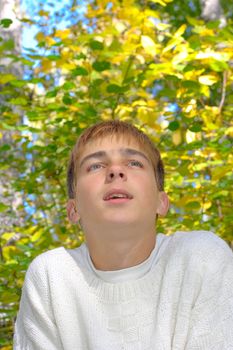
{"x":205,"y":239}
{"x":51,"y":256}
{"x":48,"y":262}
{"x":57,"y":261}
{"x":202,"y":248}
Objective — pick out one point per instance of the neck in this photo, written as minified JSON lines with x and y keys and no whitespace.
{"x":109,"y":254}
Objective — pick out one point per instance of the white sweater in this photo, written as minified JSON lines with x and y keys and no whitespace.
{"x":181,"y":298}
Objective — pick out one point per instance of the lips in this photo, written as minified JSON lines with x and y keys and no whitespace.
{"x":117,"y":194}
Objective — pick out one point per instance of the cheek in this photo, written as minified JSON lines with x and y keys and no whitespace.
{"x":87,"y":192}
{"x":150,"y":192}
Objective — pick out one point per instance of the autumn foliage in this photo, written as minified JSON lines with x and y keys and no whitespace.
{"x":129,"y":60}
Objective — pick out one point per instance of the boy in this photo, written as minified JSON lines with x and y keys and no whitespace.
{"x":126,"y":288}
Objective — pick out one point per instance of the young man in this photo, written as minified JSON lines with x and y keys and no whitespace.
{"x":126,"y":288}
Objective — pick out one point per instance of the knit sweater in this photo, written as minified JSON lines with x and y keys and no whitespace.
{"x":183,"y":301}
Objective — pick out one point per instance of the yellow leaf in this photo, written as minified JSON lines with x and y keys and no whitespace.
{"x":221,"y":171}
{"x":8,"y":252}
{"x":40,"y":37}
{"x":74,"y":108}
{"x":180,"y":57}
{"x":7,"y":235}
{"x":119,"y":25}
{"x":62,"y":34}
{"x":37,"y":235}
{"x":190,"y":136}
{"x":65,"y":66}
{"x":162,"y":2}
{"x":148,"y":44}
{"x":46,"y":65}
{"x":208,"y":79}
{"x":219,"y":56}
{"x":82,"y":125}
{"x":176,"y":137}
{"x":139,"y":103}
{"x":184,"y":200}
{"x":5,"y":78}
{"x":190,"y":109}
{"x":180,"y":30}
{"x":229,"y":131}
{"x":43,"y":13}
{"x":162,"y":26}
{"x":207,"y":205}
{"x":171,"y":44}
{"x":50,"y":41}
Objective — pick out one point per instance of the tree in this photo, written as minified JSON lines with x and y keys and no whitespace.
{"x":156,"y":64}
{"x":10,"y":46}
{"x":10,"y":30}
{"x":212,"y":10}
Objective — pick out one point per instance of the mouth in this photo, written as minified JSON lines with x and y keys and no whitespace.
{"x":117,"y":196}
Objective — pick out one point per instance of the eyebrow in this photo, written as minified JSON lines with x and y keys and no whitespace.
{"x":124,"y":151}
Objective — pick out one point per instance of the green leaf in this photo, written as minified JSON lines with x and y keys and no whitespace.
{"x":197,"y":127}
{"x":54,"y":57}
{"x":69,"y":85}
{"x":89,"y":110}
{"x":6,"y":22}
{"x":52,"y":93}
{"x":97,"y":82}
{"x":81,"y":56}
{"x":174,"y":125}
{"x":19,"y":101}
{"x":32,"y":115}
{"x":96,"y":45}
{"x":18,"y":83}
{"x":114,"y":88}
{"x":100,"y":66}
{"x":9,"y":44}
{"x":5,"y":147}
{"x":190,"y":84}
{"x":193,"y":205}
{"x":212,"y":24}
{"x":27,"y":62}
{"x":36,"y":80}
{"x":3,"y":207}
{"x":6,"y":78}
{"x":79,"y":71}
{"x":219,"y":66}
{"x":67,"y":99}
{"x":27,"y":20}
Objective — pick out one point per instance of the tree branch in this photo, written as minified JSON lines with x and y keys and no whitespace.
{"x":224,"y":83}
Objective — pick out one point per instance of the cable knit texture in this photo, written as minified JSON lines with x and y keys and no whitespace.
{"x":185,"y":301}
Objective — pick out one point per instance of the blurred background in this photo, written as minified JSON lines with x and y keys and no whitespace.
{"x":165,"y":66}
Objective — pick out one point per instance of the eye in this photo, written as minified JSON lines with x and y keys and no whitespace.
{"x":135,"y":163}
{"x":94,"y":167}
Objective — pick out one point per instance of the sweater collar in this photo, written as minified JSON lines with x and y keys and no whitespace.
{"x":130,"y":273}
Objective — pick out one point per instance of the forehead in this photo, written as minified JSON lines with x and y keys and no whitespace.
{"x":111,"y":143}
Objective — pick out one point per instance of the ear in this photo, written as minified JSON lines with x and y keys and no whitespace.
{"x":72,"y":213}
{"x":164,"y":204}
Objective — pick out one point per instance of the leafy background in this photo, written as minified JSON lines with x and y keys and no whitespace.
{"x":156,"y":64}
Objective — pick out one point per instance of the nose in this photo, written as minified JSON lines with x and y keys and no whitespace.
{"x":116,"y":172}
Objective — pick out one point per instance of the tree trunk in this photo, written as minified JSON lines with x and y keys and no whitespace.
{"x":9,"y":9}
{"x":212,"y":10}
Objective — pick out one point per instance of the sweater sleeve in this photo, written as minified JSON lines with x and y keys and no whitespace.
{"x":212,"y":314}
{"x":35,"y":327}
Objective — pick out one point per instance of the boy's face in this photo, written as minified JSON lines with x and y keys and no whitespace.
{"x":116,"y":185}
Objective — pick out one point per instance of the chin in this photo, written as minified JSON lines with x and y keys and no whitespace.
{"x":121,"y":220}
